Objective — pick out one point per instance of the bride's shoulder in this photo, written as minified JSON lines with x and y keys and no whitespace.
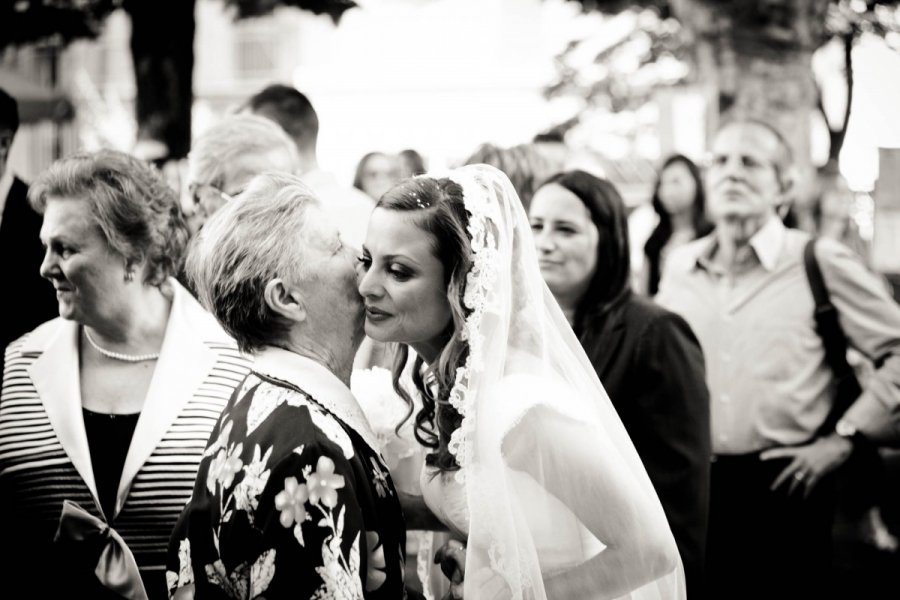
{"x":521,"y":397}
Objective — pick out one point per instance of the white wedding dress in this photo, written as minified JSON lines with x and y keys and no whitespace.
{"x":553,"y":525}
{"x":551,"y":497}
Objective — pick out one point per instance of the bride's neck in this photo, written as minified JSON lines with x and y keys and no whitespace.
{"x":429,"y":350}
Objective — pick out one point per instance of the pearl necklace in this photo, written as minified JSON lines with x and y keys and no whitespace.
{"x":132,"y":358}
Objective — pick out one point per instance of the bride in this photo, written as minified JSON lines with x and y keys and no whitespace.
{"x":529,"y":464}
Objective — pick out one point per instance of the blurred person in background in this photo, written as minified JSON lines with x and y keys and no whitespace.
{"x":292,"y":498}
{"x":411,"y":163}
{"x":680,"y":203}
{"x":647,"y":358}
{"x":833,"y":216}
{"x":524,"y":164}
{"x":860,"y":493}
{"x":29,"y":299}
{"x":376,"y":173}
{"x":105,"y":410}
{"x":778,"y":440}
{"x":293,"y":111}
{"x":229,"y":154}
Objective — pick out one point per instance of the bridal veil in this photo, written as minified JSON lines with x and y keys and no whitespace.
{"x":560,"y":505}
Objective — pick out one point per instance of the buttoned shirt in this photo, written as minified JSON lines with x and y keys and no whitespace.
{"x":769,"y":382}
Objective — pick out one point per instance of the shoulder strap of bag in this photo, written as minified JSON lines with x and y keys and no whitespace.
{"x":829,"y":329}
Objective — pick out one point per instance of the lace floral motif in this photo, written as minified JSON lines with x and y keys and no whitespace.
{"x":491,"y":241}
{"x":524,"y":361}
{"x":479,"y":283}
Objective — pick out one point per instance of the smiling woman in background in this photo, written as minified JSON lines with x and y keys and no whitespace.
{"x":646,"y":357}
{"x":106,"y":410}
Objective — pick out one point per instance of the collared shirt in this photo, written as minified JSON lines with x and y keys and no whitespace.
{"x":769,"y":382}
{"x":320,"y":383}
{"x":349,"y":206}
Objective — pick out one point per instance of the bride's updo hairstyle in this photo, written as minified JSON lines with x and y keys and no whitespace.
{"x":437,"y":208}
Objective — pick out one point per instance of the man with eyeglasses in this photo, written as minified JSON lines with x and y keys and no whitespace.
{"x":743,"y":290}
{"x":229,"y":154}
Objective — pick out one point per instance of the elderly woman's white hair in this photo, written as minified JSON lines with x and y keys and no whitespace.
{"x":240,"y":147}
{"x":250,"y":241}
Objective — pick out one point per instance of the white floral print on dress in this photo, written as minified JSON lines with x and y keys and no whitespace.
{"x":256,"y":476}
{"x":224,"y":467}
{"x":333,"y":430}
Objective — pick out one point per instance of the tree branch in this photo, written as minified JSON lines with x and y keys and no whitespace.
{"x":837,"y":136}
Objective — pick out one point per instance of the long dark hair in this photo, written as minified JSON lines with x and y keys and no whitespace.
{"x":663,"y":231}
{"x":439,"y":211}
{"x":610,"y":284}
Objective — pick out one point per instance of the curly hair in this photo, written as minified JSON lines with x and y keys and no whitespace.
{"x":440,"y":212}
{"x":129,"y":199}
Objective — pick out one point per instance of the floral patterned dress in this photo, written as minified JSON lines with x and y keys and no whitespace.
{"x":290,"y":501}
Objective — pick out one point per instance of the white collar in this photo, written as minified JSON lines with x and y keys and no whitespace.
{"x":768,"y":242}
{"x":320,"y":383}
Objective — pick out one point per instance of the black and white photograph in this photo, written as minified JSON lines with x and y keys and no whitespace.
{"x":450,"y":299}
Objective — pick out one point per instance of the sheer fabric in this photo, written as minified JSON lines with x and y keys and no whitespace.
{"x":558,"y":502}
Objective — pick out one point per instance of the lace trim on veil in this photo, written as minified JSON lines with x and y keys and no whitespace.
{"x":515,"y":328}
{"x":480,"y":298}
{"x":479,"y":282}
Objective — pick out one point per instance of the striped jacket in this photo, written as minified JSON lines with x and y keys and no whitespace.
{"x":44,"y":455}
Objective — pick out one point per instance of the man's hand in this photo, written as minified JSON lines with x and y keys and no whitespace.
{"x":809,"y":463}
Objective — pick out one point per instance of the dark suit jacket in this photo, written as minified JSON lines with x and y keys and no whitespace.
{"x":651,"y":364}
{"x":28,"y":299}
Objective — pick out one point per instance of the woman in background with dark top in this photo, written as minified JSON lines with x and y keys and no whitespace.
{"x":680,"y":202}
{"x":647,"y":358}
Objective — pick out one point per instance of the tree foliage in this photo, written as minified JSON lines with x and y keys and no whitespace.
{"x":58,"y":21}
{"x":257,"y":8}
{"x":621,"y":73}
{"x":61,"y":21}
{"x":161,"y":47}
{"x":667,"y":31}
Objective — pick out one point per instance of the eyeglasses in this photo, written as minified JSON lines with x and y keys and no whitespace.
{"x":752,"y":163}
{"x":199,"y":190}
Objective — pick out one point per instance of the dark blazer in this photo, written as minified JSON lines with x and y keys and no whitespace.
{"x":28,"y":298}
{"x":651,"y":364}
